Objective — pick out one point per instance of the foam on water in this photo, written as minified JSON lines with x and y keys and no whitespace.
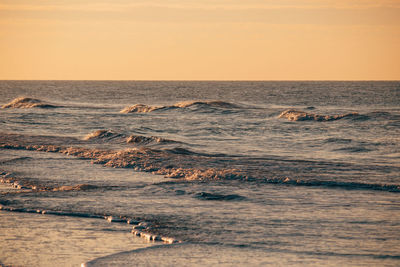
{"x":215,"y":103}
{"x":296,"y":115}
{"x":141,"y":108}
{"x":107,"y":136}
{"x":137,"y":139}
{"x":50,"y":240}
{"x":27,"y":102}
{"x":192,"y":166}
{"x":102,"y":134}
{"x":221,"y":176}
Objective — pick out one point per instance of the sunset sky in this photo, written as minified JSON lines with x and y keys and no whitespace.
{"x":200,"y":40}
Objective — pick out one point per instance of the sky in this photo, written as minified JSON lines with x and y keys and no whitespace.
{"x":200,"y":40}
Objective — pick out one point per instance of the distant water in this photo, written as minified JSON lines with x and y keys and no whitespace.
{"x":214,"y":166}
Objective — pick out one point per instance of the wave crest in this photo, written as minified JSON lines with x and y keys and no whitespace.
{"x":27,"y":102}
{"x":141,"y":108}
{"x":78,"y":187}
{"x":214,"y":103}
{"x":102,"y":134}
{"x":298,"y":115}
{"x":27,"y":184}
{"x":188,"y":166}
{"x":105,"y":136}
{"x":139,"y":139}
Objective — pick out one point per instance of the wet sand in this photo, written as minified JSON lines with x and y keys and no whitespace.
{"x":46,"y":240}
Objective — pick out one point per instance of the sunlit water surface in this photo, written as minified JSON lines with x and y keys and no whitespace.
{"x":340,"y":207}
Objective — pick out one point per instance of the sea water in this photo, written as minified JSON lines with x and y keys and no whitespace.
{"x":214,"y":168}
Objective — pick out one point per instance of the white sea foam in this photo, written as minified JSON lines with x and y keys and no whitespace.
{"x":311,"y":192}
{"x":27,"y":102}
{"x":297,"y":115}
{"x":141,"y":108}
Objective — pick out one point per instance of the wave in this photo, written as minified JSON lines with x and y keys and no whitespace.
{"x":140,"y":228}
{"x":78,"y":187}
{"x":382,"y":115}
{"x":27,"y":102}
{"x":111,"y":136}
{"x":33,"y":185}
{"x":224,"y":254}
{"x":181,"y":151}
{"x":141,"y":108}
{"x":144,"y":140}
{"x":21,"y":183}
{"x":214,"y":103}
{"x":298,"y":115}
{"x":187,"y":254}
{"x":184,"y":151}
{"x":219,"y":197}
{"x":338,"y":140}
{"x":103,"y":135}
{"x":13,"y":160}
{"x":192,"y":166}
{"x":335,"y":184}
{"x":354,"y":149}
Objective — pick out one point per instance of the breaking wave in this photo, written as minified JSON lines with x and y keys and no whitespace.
{"x":297,"y":115}
{"x":215,"y":103}
{"x":103,"y":135}
{"x":34,"y":185}
{"x":144,"y":140}
{"x":141,"y":228}
{"x":27,"y":102}
{"x":191,"y":166}
{"x":141,"y":108}
{"x":111,"y":136}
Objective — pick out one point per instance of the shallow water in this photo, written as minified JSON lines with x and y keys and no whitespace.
{"x":46,"y":240}
{"x":241,"y":180}
{"x":212,"y":255}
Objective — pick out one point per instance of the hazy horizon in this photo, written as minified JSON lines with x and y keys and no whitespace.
{"x":205,"y":80}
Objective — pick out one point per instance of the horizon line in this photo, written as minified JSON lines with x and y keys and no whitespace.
{"x":211,"y":80}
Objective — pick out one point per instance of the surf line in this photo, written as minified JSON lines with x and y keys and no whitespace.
{"x":140,"y":228}
{"x":158,"y":162}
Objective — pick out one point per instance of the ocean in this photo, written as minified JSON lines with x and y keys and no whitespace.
{"x":200,"y":173}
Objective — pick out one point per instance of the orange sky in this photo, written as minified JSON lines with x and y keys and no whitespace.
{"x":200,"y":40}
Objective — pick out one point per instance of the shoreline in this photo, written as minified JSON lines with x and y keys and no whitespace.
{"x":29,"y":238}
